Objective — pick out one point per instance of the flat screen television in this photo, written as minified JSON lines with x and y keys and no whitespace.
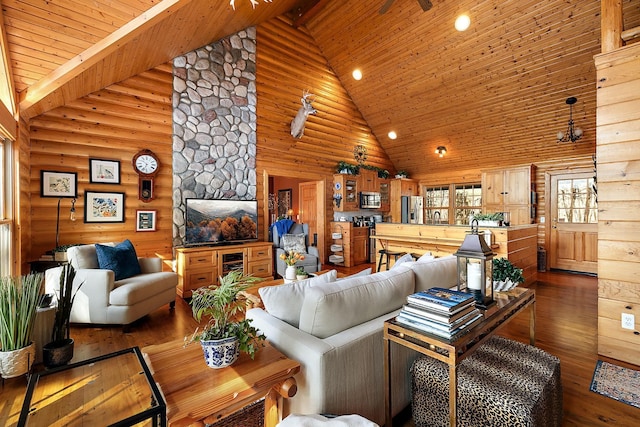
{"x":217,"y":221}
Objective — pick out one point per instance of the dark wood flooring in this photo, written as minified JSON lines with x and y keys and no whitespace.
{"x":566,"y":326}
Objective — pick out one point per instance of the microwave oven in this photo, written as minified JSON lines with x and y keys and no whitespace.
{"x":369,"y":200}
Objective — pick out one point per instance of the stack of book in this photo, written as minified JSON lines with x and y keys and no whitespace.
{"x":442,"y":312}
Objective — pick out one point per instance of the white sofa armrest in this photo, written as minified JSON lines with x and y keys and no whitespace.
{"x":339,"y":372}
{"x":150,"y":265}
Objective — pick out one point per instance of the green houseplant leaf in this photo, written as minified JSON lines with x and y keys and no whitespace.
{"x":222,"y":307}
{"x":503,"y":269}
{"x":19,"y":298}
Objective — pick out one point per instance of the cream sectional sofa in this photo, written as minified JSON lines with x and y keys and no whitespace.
{"x":334,"y":329}
{"x":102,"y":299}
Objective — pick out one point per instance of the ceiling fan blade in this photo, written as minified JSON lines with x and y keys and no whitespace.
{"x":425,"y":4}
{"x":386,"y":7}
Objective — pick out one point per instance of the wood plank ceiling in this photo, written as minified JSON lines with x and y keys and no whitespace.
{"x":492,"y":93}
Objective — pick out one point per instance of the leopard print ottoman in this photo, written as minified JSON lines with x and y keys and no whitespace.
{"x":504,"y":383}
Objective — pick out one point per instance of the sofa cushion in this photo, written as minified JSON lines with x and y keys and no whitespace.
{"x":294,"y":243}
{"x":365,"y":272}
{"x":406,"y":258}
{"x":439,"y":272}
{"x":335,"y":307}
{"x":285,"y":301}
{"x":121,"y":259}
{"x":140,"y":288}
{"x":83,"y":256}
{"x":426,"y":257}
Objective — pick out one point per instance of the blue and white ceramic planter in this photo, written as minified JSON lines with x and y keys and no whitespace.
{"x":220,"y":353}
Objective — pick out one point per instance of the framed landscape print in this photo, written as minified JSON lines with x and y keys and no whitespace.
{"x":103,"y":207}
{"x":146,"y":220}
{"x":58,"y":184}
{"x":104,"y":171}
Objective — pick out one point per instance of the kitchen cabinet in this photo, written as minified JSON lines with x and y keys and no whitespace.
{"x":400,"y":187}
{"x":359,"y":242}
{"x":349,"y":246}
{"x":510,"y":190}
{"x":369,"y":181}
{"x":385,"y":201}
{"x":346,"y":188}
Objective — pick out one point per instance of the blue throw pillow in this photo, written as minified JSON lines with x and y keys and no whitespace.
{"x":122,"y":259}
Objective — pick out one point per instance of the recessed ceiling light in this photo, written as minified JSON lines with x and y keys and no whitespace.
{"x":357,"y":74}
{"x":392,"y":135}
{"x":462,"y":22}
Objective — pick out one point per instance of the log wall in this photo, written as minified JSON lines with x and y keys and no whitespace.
{"x":618,"y":152}
{"x":288,"y":63}
{"x":114,"y":123}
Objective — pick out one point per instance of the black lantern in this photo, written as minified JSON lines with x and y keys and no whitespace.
{"x":475,"y":267}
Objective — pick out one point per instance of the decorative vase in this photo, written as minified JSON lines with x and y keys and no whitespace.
{"x":290,"y":272}
{"x":503,"y":286}
{"x":57,"y":353}
{"x":220,"y":353}
{"x":17,"y":362}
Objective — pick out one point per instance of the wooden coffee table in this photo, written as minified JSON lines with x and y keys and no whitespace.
{"x":197,"y":394}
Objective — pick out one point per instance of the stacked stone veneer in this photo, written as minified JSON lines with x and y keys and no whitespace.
{"x":214,"y":124}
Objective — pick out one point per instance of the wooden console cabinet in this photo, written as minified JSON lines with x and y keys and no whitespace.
{"x":201,"y":266}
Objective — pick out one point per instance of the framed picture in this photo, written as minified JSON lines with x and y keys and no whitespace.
{"x":146,"y":220}
{"x":104,"y":171}
{"x":284,"y":202}
{"x":58,"y":184}
{"x":103,"y":207}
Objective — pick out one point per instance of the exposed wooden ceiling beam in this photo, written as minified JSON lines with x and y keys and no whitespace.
{"x":7,"y":91}
{"x":96,"y":53}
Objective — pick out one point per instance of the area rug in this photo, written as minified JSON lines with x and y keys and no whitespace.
{"x":616,"y":382}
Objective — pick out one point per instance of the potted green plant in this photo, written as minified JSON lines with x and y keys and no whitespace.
{"x":224,"y":335}
{"x":506,"y":276}
{"x":347,"y":168}
{"x":402,"y":174}
{"x":301,"y":274}
{"x":19,"y":297}
{"x":59,"y":351}
{"x":489,"y":219}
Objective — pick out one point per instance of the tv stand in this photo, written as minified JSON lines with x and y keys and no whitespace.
{"x":202,"y":265}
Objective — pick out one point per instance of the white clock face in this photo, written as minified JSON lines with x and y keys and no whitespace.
{"x":146,"y":164}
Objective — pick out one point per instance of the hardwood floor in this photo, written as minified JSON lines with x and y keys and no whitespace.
{"x":566,"y":326}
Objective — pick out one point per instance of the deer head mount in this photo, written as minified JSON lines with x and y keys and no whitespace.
{"x":297,"y":124}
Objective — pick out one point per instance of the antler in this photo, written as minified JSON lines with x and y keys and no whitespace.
{"x":254,"y":3}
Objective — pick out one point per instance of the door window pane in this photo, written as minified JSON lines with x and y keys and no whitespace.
{"x":577,"y":201}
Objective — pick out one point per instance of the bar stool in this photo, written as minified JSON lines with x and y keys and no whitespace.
{"x":388,"y":254}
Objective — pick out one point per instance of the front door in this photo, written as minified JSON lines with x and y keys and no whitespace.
{"x":574,"y":223}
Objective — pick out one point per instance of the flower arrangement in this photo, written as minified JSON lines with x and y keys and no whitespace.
{"x":290,"y":258}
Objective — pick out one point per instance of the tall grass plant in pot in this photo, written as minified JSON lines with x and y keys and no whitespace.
{"x":19,"y":297}
{"x":59,"y":351}
{"x":226,"y":332}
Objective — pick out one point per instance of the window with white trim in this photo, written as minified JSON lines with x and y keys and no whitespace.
{"x":441,"y":208}
{"x":6,"y":219}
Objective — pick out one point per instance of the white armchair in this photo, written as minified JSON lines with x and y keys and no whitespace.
{"x":103,"y":300}
{"x":311,"y":261}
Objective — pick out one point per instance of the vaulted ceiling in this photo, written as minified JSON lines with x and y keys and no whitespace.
{"x":499,"y":87}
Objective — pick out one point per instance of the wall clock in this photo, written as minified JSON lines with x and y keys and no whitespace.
{"x":146,"y":165}
{"x":360,"y":153}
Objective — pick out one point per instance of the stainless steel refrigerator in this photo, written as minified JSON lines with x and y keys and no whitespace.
{"x":412,"y":209}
